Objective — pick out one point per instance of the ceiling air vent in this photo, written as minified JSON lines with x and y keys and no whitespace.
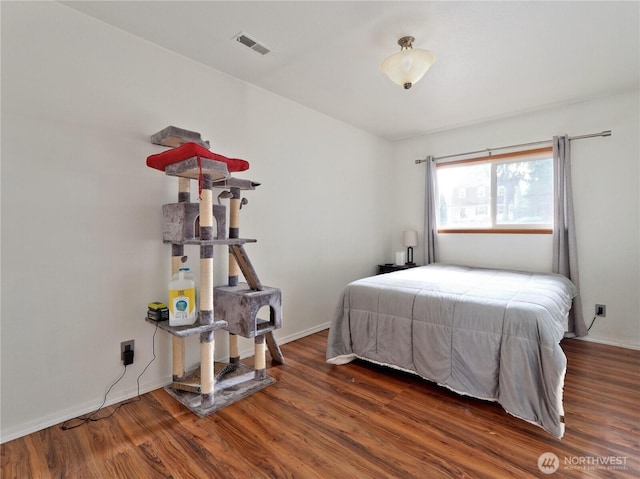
{"x":255,"y":45}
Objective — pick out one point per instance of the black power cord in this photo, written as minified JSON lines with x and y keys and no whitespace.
{"x":84,"y":419}
{"x":592,"y":321}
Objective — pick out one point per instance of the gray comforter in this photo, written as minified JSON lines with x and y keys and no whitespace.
{"x":490,"y":334}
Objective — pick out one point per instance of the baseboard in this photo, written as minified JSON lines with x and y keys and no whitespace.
{"x":304,"y":333}
{"x":248,"y":352}
{"x":59,"y":417}
{"x":609,"y":343}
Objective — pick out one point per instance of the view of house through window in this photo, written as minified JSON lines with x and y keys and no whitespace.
{"x":500,"y":192}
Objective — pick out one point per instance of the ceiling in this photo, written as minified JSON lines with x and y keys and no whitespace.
{"x":494,"y":59}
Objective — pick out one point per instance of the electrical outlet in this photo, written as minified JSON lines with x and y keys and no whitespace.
{"x":126,"y":346}
{"x":601,"y":310}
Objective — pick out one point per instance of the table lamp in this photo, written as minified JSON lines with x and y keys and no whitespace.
{"x":410,"y":239}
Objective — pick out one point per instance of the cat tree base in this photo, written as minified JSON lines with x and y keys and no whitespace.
{"x":232,"y":387}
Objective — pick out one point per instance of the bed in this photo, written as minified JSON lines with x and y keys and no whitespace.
{"x":491,"y":334}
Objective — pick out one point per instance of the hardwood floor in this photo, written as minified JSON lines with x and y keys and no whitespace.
{"x":353,"y":421}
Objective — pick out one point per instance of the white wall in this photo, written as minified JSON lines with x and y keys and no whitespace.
{"x":606,"y":181}
{"x":81,"y":249}
{"x":81,"y":246}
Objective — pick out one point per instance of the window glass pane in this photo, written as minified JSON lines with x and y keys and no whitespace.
{"x":514,"y":191}
{"x":525,"y":192}
{"x":464,"y":198}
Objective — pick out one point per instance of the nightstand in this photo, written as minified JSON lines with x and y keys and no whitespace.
{"x":390,"y":267}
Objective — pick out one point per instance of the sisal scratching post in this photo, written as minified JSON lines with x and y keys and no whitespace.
{"x":207,"y":340}
{"x":207,"y":377}
{"x":234,"y":232}
{"x":234,"y":349}
{"x":260,"y":362}
{"x":184,"y":190}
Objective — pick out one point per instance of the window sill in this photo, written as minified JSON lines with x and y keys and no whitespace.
{"x":517,"y":231}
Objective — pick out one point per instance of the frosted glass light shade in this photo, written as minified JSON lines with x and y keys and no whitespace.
{"x":410,"y":238}
{"x":407,"y":67}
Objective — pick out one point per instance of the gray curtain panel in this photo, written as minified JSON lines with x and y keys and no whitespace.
{"x":565,"y":256}
{"x":430,"y":247}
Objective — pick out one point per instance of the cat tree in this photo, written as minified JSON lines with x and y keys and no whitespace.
{"x":212,"y":385}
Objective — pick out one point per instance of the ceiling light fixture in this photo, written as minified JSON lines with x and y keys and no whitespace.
{"x":409,"y":65}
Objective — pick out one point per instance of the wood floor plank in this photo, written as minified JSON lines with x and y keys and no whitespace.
{"x":355,"y":421}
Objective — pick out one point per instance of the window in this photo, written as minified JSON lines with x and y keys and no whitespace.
{"x":507,"y":193}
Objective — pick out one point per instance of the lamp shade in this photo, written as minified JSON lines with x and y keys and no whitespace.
{"x":406,"y":67}
{"x":410,"y":238}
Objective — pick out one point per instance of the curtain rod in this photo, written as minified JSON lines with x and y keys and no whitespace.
{"x":489,"y":150}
